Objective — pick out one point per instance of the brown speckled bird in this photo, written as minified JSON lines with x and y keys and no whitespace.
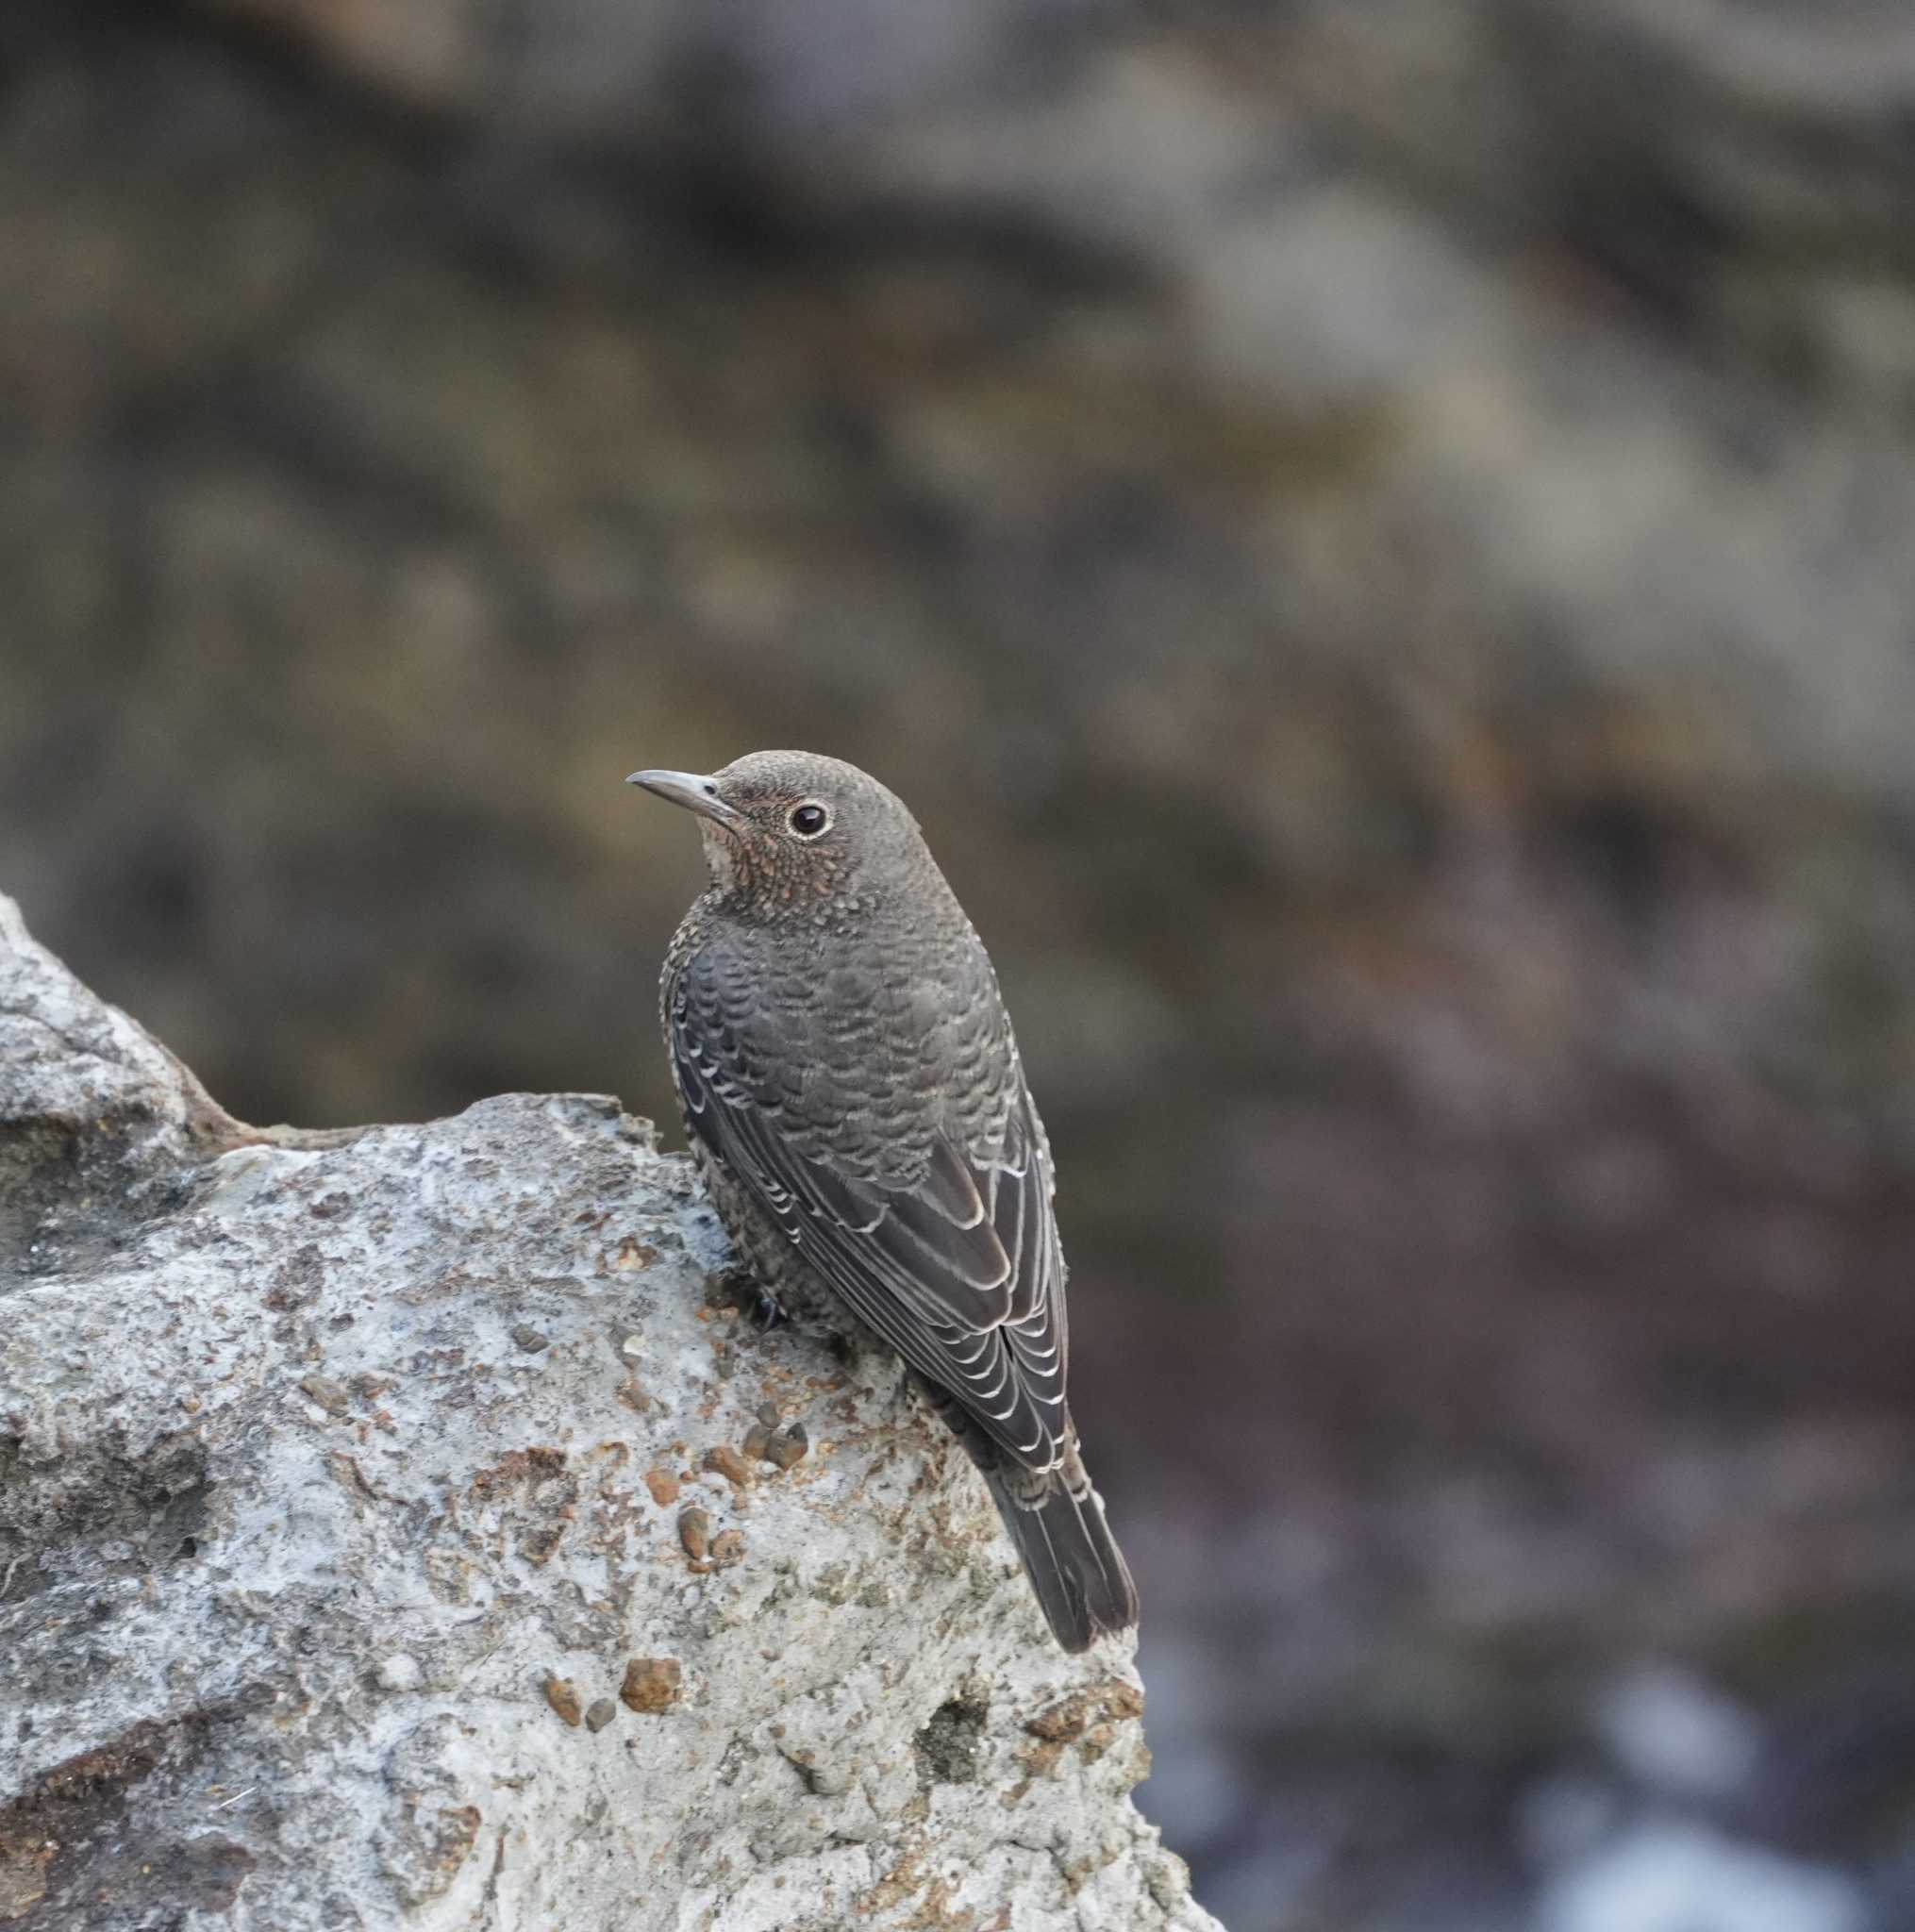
{"x":854,"y":1095}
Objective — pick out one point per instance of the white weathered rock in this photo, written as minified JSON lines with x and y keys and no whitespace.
{"x":341,"y":1488}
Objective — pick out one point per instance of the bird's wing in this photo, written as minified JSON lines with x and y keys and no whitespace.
{"x":960,"y":1271}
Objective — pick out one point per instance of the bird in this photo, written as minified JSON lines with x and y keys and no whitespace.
{"x":852,"y":1094}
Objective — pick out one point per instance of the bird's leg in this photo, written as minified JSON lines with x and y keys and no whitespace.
{"x":753,"y":1300}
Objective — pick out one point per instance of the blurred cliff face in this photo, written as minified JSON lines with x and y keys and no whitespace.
{"x":1375,"y":538}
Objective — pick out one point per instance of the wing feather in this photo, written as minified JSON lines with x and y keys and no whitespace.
{"x":959,"y":1269}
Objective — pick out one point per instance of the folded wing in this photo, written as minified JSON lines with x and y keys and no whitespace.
{"x":959,"y":1269}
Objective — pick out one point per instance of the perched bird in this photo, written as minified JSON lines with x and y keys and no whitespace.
{"x":855,"y":1098}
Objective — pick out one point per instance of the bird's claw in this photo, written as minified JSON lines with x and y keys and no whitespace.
{"x":758,"y":1303}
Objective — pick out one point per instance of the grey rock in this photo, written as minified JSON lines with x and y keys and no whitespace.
{"x":71,"y":1064}
{"x":280,"y":1660}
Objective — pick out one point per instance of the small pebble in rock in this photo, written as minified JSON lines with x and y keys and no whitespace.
{"x":694,"y":1533}
{"x":788,"y":1446}
{"x":727,"y":1547}
{"x":330,"y":1395}
{"x":601,"y":1714}
{"x":632,"y":1345}
{"x":768,"y":1414}
{"x":561,"y":1694}
{"x":400,"y":1672}
{"x":755,"y":1439}
{"x":724,"y":1460}
{"x":529,"y":1339}
{"x":652,"y":1684}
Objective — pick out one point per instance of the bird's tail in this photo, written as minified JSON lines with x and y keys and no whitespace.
{"x":1069,"y":1553}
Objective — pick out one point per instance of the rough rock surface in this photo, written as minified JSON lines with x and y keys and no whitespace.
{"x":347,"y":1575}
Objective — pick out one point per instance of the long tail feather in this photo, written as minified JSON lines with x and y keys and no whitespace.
{"x":1078,"y":1572}
{"x":1056,"y":1522}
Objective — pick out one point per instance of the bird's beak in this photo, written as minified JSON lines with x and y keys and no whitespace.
{"x":688,"y":789}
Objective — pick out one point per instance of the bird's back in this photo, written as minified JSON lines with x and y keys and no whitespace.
{"x":864,"y":1045}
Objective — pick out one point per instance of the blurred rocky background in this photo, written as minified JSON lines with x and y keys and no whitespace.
{"x":1377,"y":536}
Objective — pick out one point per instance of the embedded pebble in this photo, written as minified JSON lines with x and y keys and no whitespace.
{"x":330,"y":1395}
{"x":561,"y":1694}
{"x":652,"y":1684}
{"x":694,"y":1533}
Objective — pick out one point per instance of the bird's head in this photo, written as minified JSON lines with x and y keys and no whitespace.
{"x":791,"y":834}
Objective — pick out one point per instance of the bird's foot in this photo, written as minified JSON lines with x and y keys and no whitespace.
{"x":755,"y":1301}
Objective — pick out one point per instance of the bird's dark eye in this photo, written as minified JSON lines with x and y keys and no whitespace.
{"x":808,"y":819}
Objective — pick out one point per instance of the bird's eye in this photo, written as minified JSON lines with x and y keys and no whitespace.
{"x":808,"y":819}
